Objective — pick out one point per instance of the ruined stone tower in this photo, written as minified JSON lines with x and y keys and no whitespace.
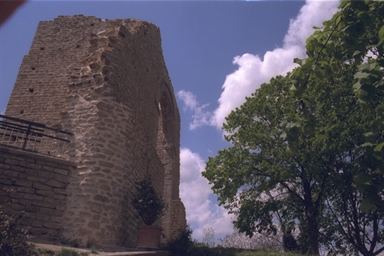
{"x":105,"y":81}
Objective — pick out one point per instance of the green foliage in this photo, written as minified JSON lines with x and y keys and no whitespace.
{"x":183,"y":245}
{"x":14,"y":235}
{"x":355,"y":35}
{"x":45,"y":252}
{"x":148,"y":204}
{"x":69,"y":252}
{"x":299,"y":138}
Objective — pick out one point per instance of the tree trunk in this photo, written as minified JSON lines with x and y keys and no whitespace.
{"x":311,"y":214}
{"x":313,"y":235}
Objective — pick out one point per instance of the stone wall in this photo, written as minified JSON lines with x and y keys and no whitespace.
{"x":37,"y":185}
{"x":107,"y":83}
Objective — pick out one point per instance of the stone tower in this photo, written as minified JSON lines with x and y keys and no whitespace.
{"x":106,"y":82}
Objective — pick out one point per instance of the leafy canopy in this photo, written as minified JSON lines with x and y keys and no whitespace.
{"x":300,"y":136}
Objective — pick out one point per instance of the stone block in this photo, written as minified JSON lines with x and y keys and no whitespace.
{"x":61,"y":178}
{"x":4,"y":166}
{"x":36,"y":231}
{"x":43,"y":204}
{"x":45,"y":193}
{"x":15,"y":195}
{"x":100,"y":198}
{"x":43,"y":218}
{"x":36,"y":178}
{"x":42,"y":187}
{"x":16,"y":157}
{"x":30,"y":165}
{"x":106,"y":164}
{"x":61,"y":171}
{"x":24,"y":202}
{"x":33,"y":197}
{"x":24,"y":191}
{"x":60,"y":191}
{"x":32,"y":209}
{"x":17,"y":207}
{"x":56,"y":212}
{"x":11,"y":162}
{"x":55,"y":184}
{"x":23,"y":183}
{"x":94,"y":224}
{"x":59,"y":197}
{"x":4,"y":199}
{"x":46,"y":174}
{"x":56,"y":219}
{"x":36,"y":223}
{"x":54,"y":232}
{"x":10,"y":173}
{"x":5,"y":181}
{"x":47,"y":168}
{"x":52,"y":225}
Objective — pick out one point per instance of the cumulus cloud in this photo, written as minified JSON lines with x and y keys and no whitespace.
{"x":202,"y":213}
{"x":253,"y":70}
{"x":200,"y":115}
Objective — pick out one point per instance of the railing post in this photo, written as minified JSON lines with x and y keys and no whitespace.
{"x":26,"y":137}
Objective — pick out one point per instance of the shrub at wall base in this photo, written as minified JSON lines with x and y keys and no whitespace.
{"x":150,"y":206}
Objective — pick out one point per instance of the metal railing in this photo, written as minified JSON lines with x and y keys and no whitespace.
{"x":35,"y":137}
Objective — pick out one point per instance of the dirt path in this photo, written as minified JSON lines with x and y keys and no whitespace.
{"x":57,"y":248}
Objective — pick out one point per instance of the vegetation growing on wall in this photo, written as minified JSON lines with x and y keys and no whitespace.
{"x":14,"y":234}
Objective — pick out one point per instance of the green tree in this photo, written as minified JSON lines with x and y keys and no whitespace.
{"x":352,"y":229}
{"x":354,"y":35}
{"x":297,"y":136}
{"x":260,"y":179}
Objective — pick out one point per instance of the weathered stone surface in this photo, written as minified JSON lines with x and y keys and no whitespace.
{"x":24,"y":183}
{"x":56,"y":184}
{"x":29,"y":192}
{"x":61,"y":171}
{"x":42,"y":187}
{"x":107,"y":83}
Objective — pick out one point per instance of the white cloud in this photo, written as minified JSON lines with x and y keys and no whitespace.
{"x":194,"y":192}
{"x":253,"y":71}
{"x":200,"y":116}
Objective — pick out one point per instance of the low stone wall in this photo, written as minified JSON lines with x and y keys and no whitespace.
{"x":37,"y":185}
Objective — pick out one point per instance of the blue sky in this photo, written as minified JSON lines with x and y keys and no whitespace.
{"x":216,"y":52}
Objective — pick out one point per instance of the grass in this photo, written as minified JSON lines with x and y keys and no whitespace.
{"x":68,"y":252}
{"x":45,"y":252}
{"x":63,"y":252}
{"x":266,"y":253}
{"x":219,"y":251}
